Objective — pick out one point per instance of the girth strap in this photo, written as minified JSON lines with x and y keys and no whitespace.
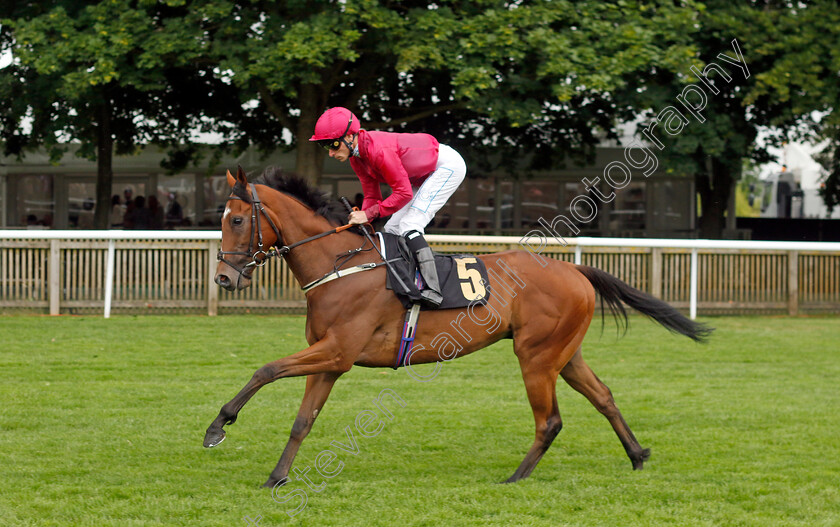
{"x":338,"y":273}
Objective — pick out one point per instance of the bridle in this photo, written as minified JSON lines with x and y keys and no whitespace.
{"x":260,"y":256}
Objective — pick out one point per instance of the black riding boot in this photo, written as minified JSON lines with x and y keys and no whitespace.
{"x":426,"y":262}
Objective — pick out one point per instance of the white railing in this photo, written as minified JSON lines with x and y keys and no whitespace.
{"x":695,"y":245}
{"x":772,"y":265}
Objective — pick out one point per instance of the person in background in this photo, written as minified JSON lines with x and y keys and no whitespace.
{"x":155,"y":213}
{"x":174,"y":212}
{"x":142,"y":215}
{"x":128,"y":216}
{"x":116,"y":217}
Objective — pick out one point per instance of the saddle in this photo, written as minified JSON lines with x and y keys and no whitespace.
{"x":463,"y":277}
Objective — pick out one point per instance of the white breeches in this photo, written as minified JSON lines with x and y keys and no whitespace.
{"x":432,"y":195}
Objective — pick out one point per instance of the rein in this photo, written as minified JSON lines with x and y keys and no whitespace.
{"x":260,"y":257}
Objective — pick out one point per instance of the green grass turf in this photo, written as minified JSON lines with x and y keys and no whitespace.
{"x":102,"y":422}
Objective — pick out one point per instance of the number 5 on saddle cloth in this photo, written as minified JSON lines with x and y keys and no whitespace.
{"x":463,"y":277}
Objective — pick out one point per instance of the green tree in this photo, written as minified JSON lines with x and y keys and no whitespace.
{"x":113,"y":76}
{"x":829,"y":158}
{"x":508,"y":78}
{"x":790,"y":52}
{"x":505,"y":81}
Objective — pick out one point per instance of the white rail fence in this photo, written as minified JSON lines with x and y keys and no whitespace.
{"x":172,"y":271}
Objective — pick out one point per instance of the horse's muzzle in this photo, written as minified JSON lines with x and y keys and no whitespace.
{"x":224,"y":281}
{"x":239,"y":282}
{"x":231,"y":279}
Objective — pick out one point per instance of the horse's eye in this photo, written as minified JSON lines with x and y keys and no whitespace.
{"x":236,"y":221}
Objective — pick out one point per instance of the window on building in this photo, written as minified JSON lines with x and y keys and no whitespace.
{"x":216,"y":192}
{"x":484,"y":191}
{"x":177,"y":196}
{"x":628,"y":214}
{"x":538,"y":200}
{"x":124,"y":211}
{"x":584,"y":208}
{"x":34,"y":200}
{"x":671,"y":207}
{"x":81,"y":200}
{"x":507,"y":206}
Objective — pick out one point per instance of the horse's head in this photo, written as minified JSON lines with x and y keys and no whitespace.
{"x":248,"y":233}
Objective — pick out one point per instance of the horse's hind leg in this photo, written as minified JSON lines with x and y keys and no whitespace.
{"x":541,"y":358}
{"x":318,"y":388}
{"x":581,"y":377}
{"x":539,"y":384}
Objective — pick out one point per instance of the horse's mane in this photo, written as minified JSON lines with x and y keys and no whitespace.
{"x":298,"y":188}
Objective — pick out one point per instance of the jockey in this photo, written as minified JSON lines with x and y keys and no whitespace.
{"x":421,"y":172}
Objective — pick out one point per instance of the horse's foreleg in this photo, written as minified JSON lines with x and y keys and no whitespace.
{"x":321,"y":357}
{"x":581,"y":377}
{"x":318,"y":388}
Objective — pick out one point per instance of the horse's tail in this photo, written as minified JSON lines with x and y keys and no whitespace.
{"x":613,"y":291}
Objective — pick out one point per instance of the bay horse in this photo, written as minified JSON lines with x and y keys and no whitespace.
{"x":354,"y":320}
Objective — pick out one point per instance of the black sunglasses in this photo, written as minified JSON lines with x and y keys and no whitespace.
{"x":330,"y":144}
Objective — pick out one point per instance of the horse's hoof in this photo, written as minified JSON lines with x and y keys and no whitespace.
{"x":639,"y":461}
{"x":213,"y":438}
{"x":271,"y":482}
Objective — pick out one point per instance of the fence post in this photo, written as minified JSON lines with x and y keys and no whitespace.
{"x":212,"y":288}
{"x":55,"y":277}
{"x":793,"y":283}
{"x":109,"y":277}
{"x":656,"y":272}
{"x":692,"y":291}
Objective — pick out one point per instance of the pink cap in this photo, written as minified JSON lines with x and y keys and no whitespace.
{"x":334,"y":124}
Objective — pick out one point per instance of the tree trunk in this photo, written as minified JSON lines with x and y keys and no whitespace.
{"x":714,"y":193}
{"x":310,"y":157}
{"x":104,"y":165}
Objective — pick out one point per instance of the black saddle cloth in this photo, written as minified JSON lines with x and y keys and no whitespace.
{"x":463,"y":277}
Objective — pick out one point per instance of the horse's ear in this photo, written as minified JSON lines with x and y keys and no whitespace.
{"x":240,"y":176}
{"x":230,"y":179}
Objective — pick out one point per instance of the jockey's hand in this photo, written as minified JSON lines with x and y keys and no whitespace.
{"x":358,"y":217}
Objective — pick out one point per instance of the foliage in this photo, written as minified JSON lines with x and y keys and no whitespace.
{"x":103,"y":421}
{"x":520,"y":85}
{"x":141,"y":61}
{"x":499,"y":79}
{"x":829,"y":158}
{"x":113,"y":75}
{"x":505,"y":80}
{"x":791,"y":52}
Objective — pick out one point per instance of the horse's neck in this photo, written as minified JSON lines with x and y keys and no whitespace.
{"x":311,"y":260}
